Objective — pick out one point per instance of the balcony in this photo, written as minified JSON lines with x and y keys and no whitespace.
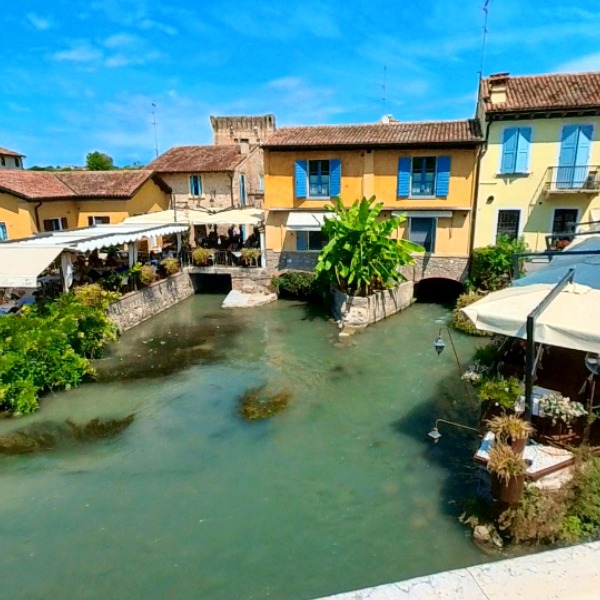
{"x":583,"y":179}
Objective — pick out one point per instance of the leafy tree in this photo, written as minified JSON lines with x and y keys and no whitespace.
{"x":361,"y":257}
{"x":98,"y":161}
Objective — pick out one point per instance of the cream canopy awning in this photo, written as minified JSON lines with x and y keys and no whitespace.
{"x":185,"y":215}
{"x":99,"y":236}
{"x":20,"y":266}
{"x":306,"y":221}
{"x":572,"y":320}
{"x":237,"y":216}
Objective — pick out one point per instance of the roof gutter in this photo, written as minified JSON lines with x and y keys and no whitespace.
{"x":37,"y":216}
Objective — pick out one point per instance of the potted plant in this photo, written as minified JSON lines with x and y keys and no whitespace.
{"x":499,"y":395}
{"x":511,"y":430}
{"x":202,"y":257}
{"x":170,"y":265}
{"x":147,"y":275}
{"x":250,"y":257}
{"x":508,"y":473}
{"x":560,"y":411}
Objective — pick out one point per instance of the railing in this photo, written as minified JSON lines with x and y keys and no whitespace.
{"x":579,"y":178}
{"x":226,"y":258}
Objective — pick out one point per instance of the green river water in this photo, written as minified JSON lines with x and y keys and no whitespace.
{"x":342,"y":490}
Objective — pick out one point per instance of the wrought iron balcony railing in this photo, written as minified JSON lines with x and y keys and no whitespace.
{"x":578,"y":179}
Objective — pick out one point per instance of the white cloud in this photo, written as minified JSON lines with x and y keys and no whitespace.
{"x":588,"y":62}
{"x":150,"y":24}
{"x":119,"y":40}
{"x":80,"y":51}
{"x":39,"y":22}
{"x":122,"y":60}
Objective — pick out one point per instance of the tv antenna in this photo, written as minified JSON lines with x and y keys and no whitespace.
{"x":155,"y":131}
{"x":486,"y":9}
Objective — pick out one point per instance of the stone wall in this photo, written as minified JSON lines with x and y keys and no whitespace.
{"x":136,"y":307}
{"x":292,"y":261}
{"x":357,"y":313}
{"x":445,"y":267}
{"x":426,"y":266}
{"x":247,"y":280}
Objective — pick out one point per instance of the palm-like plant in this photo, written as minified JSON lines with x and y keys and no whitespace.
{"x":360,"y":256}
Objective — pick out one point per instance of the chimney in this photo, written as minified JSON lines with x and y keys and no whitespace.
{"x":387,"y":119}
{"x":245,"y":146}
{"x":497,"y":87}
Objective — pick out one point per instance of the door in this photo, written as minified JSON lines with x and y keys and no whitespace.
{"x":422,"y":232}
{"x":574,"y":156}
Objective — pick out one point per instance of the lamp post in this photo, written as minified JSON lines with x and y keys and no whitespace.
{"x":435,"y":435}
{"x":440,"y":345}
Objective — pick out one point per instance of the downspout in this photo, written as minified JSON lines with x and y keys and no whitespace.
{"x":231,"y":173}
{"x":480,"y":153}
{"x":37,"y":216}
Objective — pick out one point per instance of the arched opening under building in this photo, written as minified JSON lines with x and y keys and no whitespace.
{"x":438,"y":290}
{"x":211,"y":283}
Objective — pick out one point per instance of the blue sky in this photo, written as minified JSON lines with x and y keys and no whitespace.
{"x":81,"y":76}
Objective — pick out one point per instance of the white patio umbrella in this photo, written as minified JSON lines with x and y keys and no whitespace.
{"x":238,"y":216}
{"x":572,"y":320}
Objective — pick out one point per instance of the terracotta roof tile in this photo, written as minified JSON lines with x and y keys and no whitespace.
{"x":39,"y":185}
{"x":198,"y":159}
{"x":378,"y":134}
{"x":33,"y":184}
{"x":104,"y":184}
{"x":561,"y":91}
{"x":8,"y":152}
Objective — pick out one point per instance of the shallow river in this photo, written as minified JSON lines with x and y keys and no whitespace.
{"x":342,"y":490}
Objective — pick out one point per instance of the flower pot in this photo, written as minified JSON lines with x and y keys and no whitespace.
{"x":518,"y":445}
{"x":508,"y":492}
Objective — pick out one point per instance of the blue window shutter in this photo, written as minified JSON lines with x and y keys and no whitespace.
{"x":524,"y":141}
{"x":301,"y":241}
{"x":335,"y":178}
{"x":568,"y":146}
{"x":442,"y":178}
{"x":509,"y":150}
{"x":584,"y":142}
{"x":199,"y":185}
{"x":300,"y":178}
{"x":404,"y":177}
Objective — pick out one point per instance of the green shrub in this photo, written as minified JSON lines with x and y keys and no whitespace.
{"x":48,"y":347}
{"x":201,"y":256}
{"x":491,"y":266}
{"x":147,"y":275}
{"x":296,"y":284}
{"x":585,"y":503}
{"x":170,"y":265}
{"x":460,"y":321}
{"x":504,"y":392}
{"x":486,"y":355}
{"x":93,"y":295}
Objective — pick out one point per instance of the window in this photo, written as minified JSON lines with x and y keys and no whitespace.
{"x":17,"y":162}
{"x":3,"y":232}
{"x":317,"y":178}
{"x":3,"y":161}
{"x":55,"y":224}
{"x":565,"y":220}
{"x":195,"y":185}
{"x":423,"y":176}
{"x":242,"y":190}
{"x":421,"y":230}
{"x":508,"y":224}
{"x":98,"y":221}
{"x":310,"y":240}
{"x":261,"y":184}
{"x":515,"y":150}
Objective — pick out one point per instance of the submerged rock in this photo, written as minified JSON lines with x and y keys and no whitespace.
{"x":256,"y":404}
{"x":49,"y":436}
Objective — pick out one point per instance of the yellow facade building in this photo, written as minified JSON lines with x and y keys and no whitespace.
{"x":37,"y":201}
{"x":540,"y":165}
{"x":424,"y":170}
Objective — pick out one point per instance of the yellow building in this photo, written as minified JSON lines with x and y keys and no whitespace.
{"x":539,"y":172}
{"x":425,"y":170}
{"x":36,"y":201}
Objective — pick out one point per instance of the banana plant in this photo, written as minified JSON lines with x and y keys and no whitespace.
{"x":360,"y":256}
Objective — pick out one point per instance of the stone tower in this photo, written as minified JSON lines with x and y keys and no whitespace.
{"x":242,"y":130}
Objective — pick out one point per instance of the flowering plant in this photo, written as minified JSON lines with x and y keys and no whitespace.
{"x":504,"y":392}
{"x":560,"y":408}
{"x":474,"y":373}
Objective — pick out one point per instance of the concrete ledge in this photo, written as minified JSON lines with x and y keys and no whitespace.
{"x":569,"y":573}
{"x":358,"y":312}
{"x":136,"y":307}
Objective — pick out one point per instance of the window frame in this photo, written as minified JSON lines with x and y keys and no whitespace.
{"x":553,"y":218}
{"x":308,"y":233}
{"x":102,"y":220}
{"x":434,"y":232}
{"x":199,"y":186}
{"x":3,"y":231}
{"x":319,"y":175}
{"x":514,"y":172}
{"x":423,"y":172}
{"x":62,"y":221}
{"x":520,"y":225}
